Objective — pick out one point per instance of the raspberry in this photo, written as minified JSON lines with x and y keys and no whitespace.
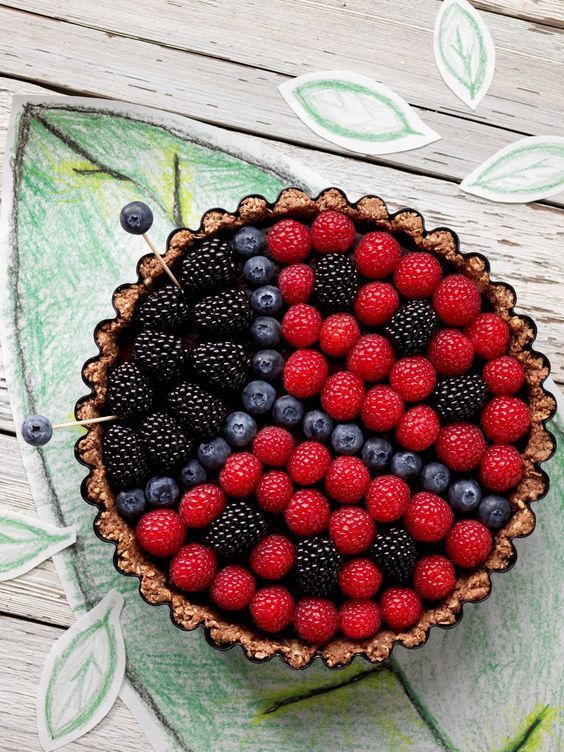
{"x":161,"y":533}
{"x":457,"y":300}
{"x":338,"y":334}
{"x":272,"y":557}
{"x":273,"y":445}
{"x":387,"y":498}
{"x":451,"y":352}
{"x":372,"y":358}
{"x":288,"y":241}
{"x":233,"y":588}
{"x":347,"y":480}
{"x":193,"y":568}
{"x":468,"y":543}
{"x":272,"y":608}
{"x":351,"y":529}
{"x":305,"y":373}
{"x":360,"y":578}
{"x":315,"y":619}
{"x":301,"y":325}
{"x":428,"y":517}
{"x":434,"y":577}
{"x":274,"y":491}
{"x":359,"y":619}
{"x":382,"y":408}
{"x":418,"y":275}
{"x":307,"y":513}
{"x":489,"y":334}
{"x":332,"y":231}
{"x":377,"y":255}
{"x":418,"y":428}
{"x":376,"y":303}
{"x":506,"y":419}
{"x":309,"y":462}
{"x":201,"y":505}
{"x":240,"y":474}
{"x":501,"y":467}
{"x":342,"y":395}
{"x":460,"y":446}
{"x":413,"y":378}
{"x":401,"y":608}
{"x":296,"y":283}
{"x":504,"y":375}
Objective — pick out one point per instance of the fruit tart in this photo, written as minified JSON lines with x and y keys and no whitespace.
{"x":326,"y":437}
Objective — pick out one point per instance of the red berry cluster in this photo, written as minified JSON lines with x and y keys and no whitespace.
{"x":344,"y":363}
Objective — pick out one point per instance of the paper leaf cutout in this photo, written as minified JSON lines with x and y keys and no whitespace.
{"x":82,"y":675}
{"x":356,"y":112}
{"x":26,"y":542}
{"x":464,"y":51}
{"x":528,"y":170}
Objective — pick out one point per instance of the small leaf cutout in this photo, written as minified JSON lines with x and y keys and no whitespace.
{"x":464,"y":51}
{"x":26,"y":542}
{"x":528,"y":170}
{"x":356,"y":112}
{"x":82,"y":675}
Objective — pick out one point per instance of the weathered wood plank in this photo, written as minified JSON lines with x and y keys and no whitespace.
{"x":525,"y":96}
{"x":548,"y":12}
{"x":23,"y":649}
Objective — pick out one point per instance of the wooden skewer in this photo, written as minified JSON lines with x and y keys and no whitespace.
{"x":160,"y":258}
{"x":86,"y":422}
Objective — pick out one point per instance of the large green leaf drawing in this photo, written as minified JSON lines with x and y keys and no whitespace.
{"x":356,"y":112}
{"x":75,"y":165}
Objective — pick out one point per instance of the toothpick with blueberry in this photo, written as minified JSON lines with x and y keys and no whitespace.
{"x":37,"y":430}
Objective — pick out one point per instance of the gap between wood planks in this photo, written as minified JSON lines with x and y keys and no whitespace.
{"x":240,"y":96}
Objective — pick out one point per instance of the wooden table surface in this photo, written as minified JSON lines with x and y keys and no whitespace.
{"x":220,"y":62}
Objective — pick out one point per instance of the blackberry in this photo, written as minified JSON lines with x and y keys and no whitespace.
{"x":317,"y":566}
{"x":128,"y":391}
{"x":226,"y":312}
{"x":164,"y":309}
{"x":124,"y":457}
{"x":223,"y":364}
{"x":336,"y":282}
{"x":164,"y":441}
{"x":460,"y":396}
{"x":199,"y":411}
{"x":411,"y":328}
{"x":239,"y":527}
{"x":162,"y":355}
{"x":395,"y":553}
{"x":209,"y":267}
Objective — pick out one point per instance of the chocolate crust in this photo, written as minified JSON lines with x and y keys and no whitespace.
{"x":370,"y":212}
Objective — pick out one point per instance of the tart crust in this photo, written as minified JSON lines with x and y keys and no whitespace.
{"x":371,"y":213}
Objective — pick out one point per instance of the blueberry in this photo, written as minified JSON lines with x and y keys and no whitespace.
{"x":268,"y":364}
{"x":258,"y":270}
{"x":265,"y":331}
{"x":192,"y":474}
{"x":36,"y":430}
{"x":317,"y":425}
{"x":161,"y":491}
{"x":239,"y":429}
{"x":287,"y":411}
{"x":213,"y":453}
{"x":266,"y":300}
{"x":494,"y":511}
{"x":258,"y":397}
{"x":377,"y":453}
{"x":131,"y":504}
{"x":406,"y":464}
{"x":249,"y":241}
{"x":347,"y":438}
{"x":435,"y":477}
{"x":464,"y":495}
{"x":136,"y":218}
